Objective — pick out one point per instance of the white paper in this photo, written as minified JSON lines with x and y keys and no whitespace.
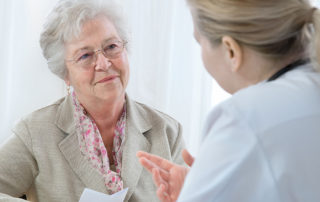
{"x":89,"y":195}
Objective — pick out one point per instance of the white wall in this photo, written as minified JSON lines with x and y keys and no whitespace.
{"x":166,"y":69}
{"x":26,"y":83}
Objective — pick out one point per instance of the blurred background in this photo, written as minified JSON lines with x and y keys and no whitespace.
{"x":165,"y":61}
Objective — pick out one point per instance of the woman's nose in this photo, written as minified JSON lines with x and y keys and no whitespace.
{"x":102,"y":63}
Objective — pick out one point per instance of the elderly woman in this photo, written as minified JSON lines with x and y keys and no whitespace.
{"x":262,"y":144}
{"x":88,"y":139}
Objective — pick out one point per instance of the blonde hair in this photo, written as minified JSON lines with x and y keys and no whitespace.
{"x":275,"y":28}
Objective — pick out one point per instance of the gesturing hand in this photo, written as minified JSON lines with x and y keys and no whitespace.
{"x":167,"y":176}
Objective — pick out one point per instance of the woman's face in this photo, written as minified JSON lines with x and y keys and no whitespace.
{"x":105,"y":79}
{"x":214,"y":60}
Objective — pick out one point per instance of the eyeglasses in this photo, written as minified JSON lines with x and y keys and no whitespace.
{"x":86,"y":58}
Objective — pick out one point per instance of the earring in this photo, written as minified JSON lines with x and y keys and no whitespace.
{"x":68,"y":89}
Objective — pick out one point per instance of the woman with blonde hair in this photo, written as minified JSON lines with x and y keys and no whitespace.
{"x":260,"y":145}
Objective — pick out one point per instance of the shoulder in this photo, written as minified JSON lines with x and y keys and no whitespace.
{"x":294,"y":96}
{"x":163,"y":132}
{"x":45,"y":114}
{"x":153,"y":116}
{"x":156,"y":115}
{"x":38,"y":123}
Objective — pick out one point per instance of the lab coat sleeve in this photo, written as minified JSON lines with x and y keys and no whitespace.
{"x":231,"y":165}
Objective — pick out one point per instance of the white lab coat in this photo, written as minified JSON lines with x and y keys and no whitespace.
{"x":262,"y":144}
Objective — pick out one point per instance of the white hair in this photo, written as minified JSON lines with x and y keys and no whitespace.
{"x":65,"y":22}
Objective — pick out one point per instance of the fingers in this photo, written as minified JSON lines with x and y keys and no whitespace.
{"x":158,"y":179}
{"x":162,"y":194}
{"x":161,"y":162}
{"x":149,"y":165}
{"x":188,"y":159}
{"x":178,"y":176}
{"x":162,"y":185}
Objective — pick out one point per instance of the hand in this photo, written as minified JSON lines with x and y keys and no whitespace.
{"x":167,"y":176}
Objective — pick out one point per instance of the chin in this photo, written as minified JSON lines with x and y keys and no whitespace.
{"x":111,"y":95}
{"x":226,"y":87}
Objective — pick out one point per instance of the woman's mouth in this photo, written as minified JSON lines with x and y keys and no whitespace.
{"x":107,"y":79}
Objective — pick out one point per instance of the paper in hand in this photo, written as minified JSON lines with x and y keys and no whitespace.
{"x":89,"y":195}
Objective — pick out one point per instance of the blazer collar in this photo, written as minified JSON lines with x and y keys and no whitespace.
{"x":135,"y":140}
{"x":137,"y":116}
{"x":69,"y":147}
{"x":64,"y":118}
{"x":65,"y":121}
{"x":137,"y":124}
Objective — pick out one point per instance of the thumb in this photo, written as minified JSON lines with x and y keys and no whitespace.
{"x":188,"y":159}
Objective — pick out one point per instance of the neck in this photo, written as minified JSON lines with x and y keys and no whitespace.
{"x":105,"y":113}
{"x":258,"y":68}
{"x":280,"y":66}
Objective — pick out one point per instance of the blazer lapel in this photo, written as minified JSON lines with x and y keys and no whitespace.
{"x":90,"y":177}
{"x":135,"y":141}
{"x":69,"y":147}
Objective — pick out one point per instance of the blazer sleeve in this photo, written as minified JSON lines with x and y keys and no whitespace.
{"x":177,"y":148}
{"x":18,"y":167}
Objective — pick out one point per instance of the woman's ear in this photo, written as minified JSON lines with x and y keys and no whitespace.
{"x":66,"y":80}
{"x":233,"y":52}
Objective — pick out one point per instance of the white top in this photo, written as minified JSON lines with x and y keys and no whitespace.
{"x":262,"y":144}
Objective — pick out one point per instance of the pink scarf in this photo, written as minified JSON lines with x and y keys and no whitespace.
{"x":93,"y":148}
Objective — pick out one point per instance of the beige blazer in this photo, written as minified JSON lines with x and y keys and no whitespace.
{"x":42,"y":158}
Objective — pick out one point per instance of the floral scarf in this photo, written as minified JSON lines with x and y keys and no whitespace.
{"x":93,"y":148}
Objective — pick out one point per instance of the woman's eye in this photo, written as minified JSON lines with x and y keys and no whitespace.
{"x":111,"y":46}
{"x":84,"y":56}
